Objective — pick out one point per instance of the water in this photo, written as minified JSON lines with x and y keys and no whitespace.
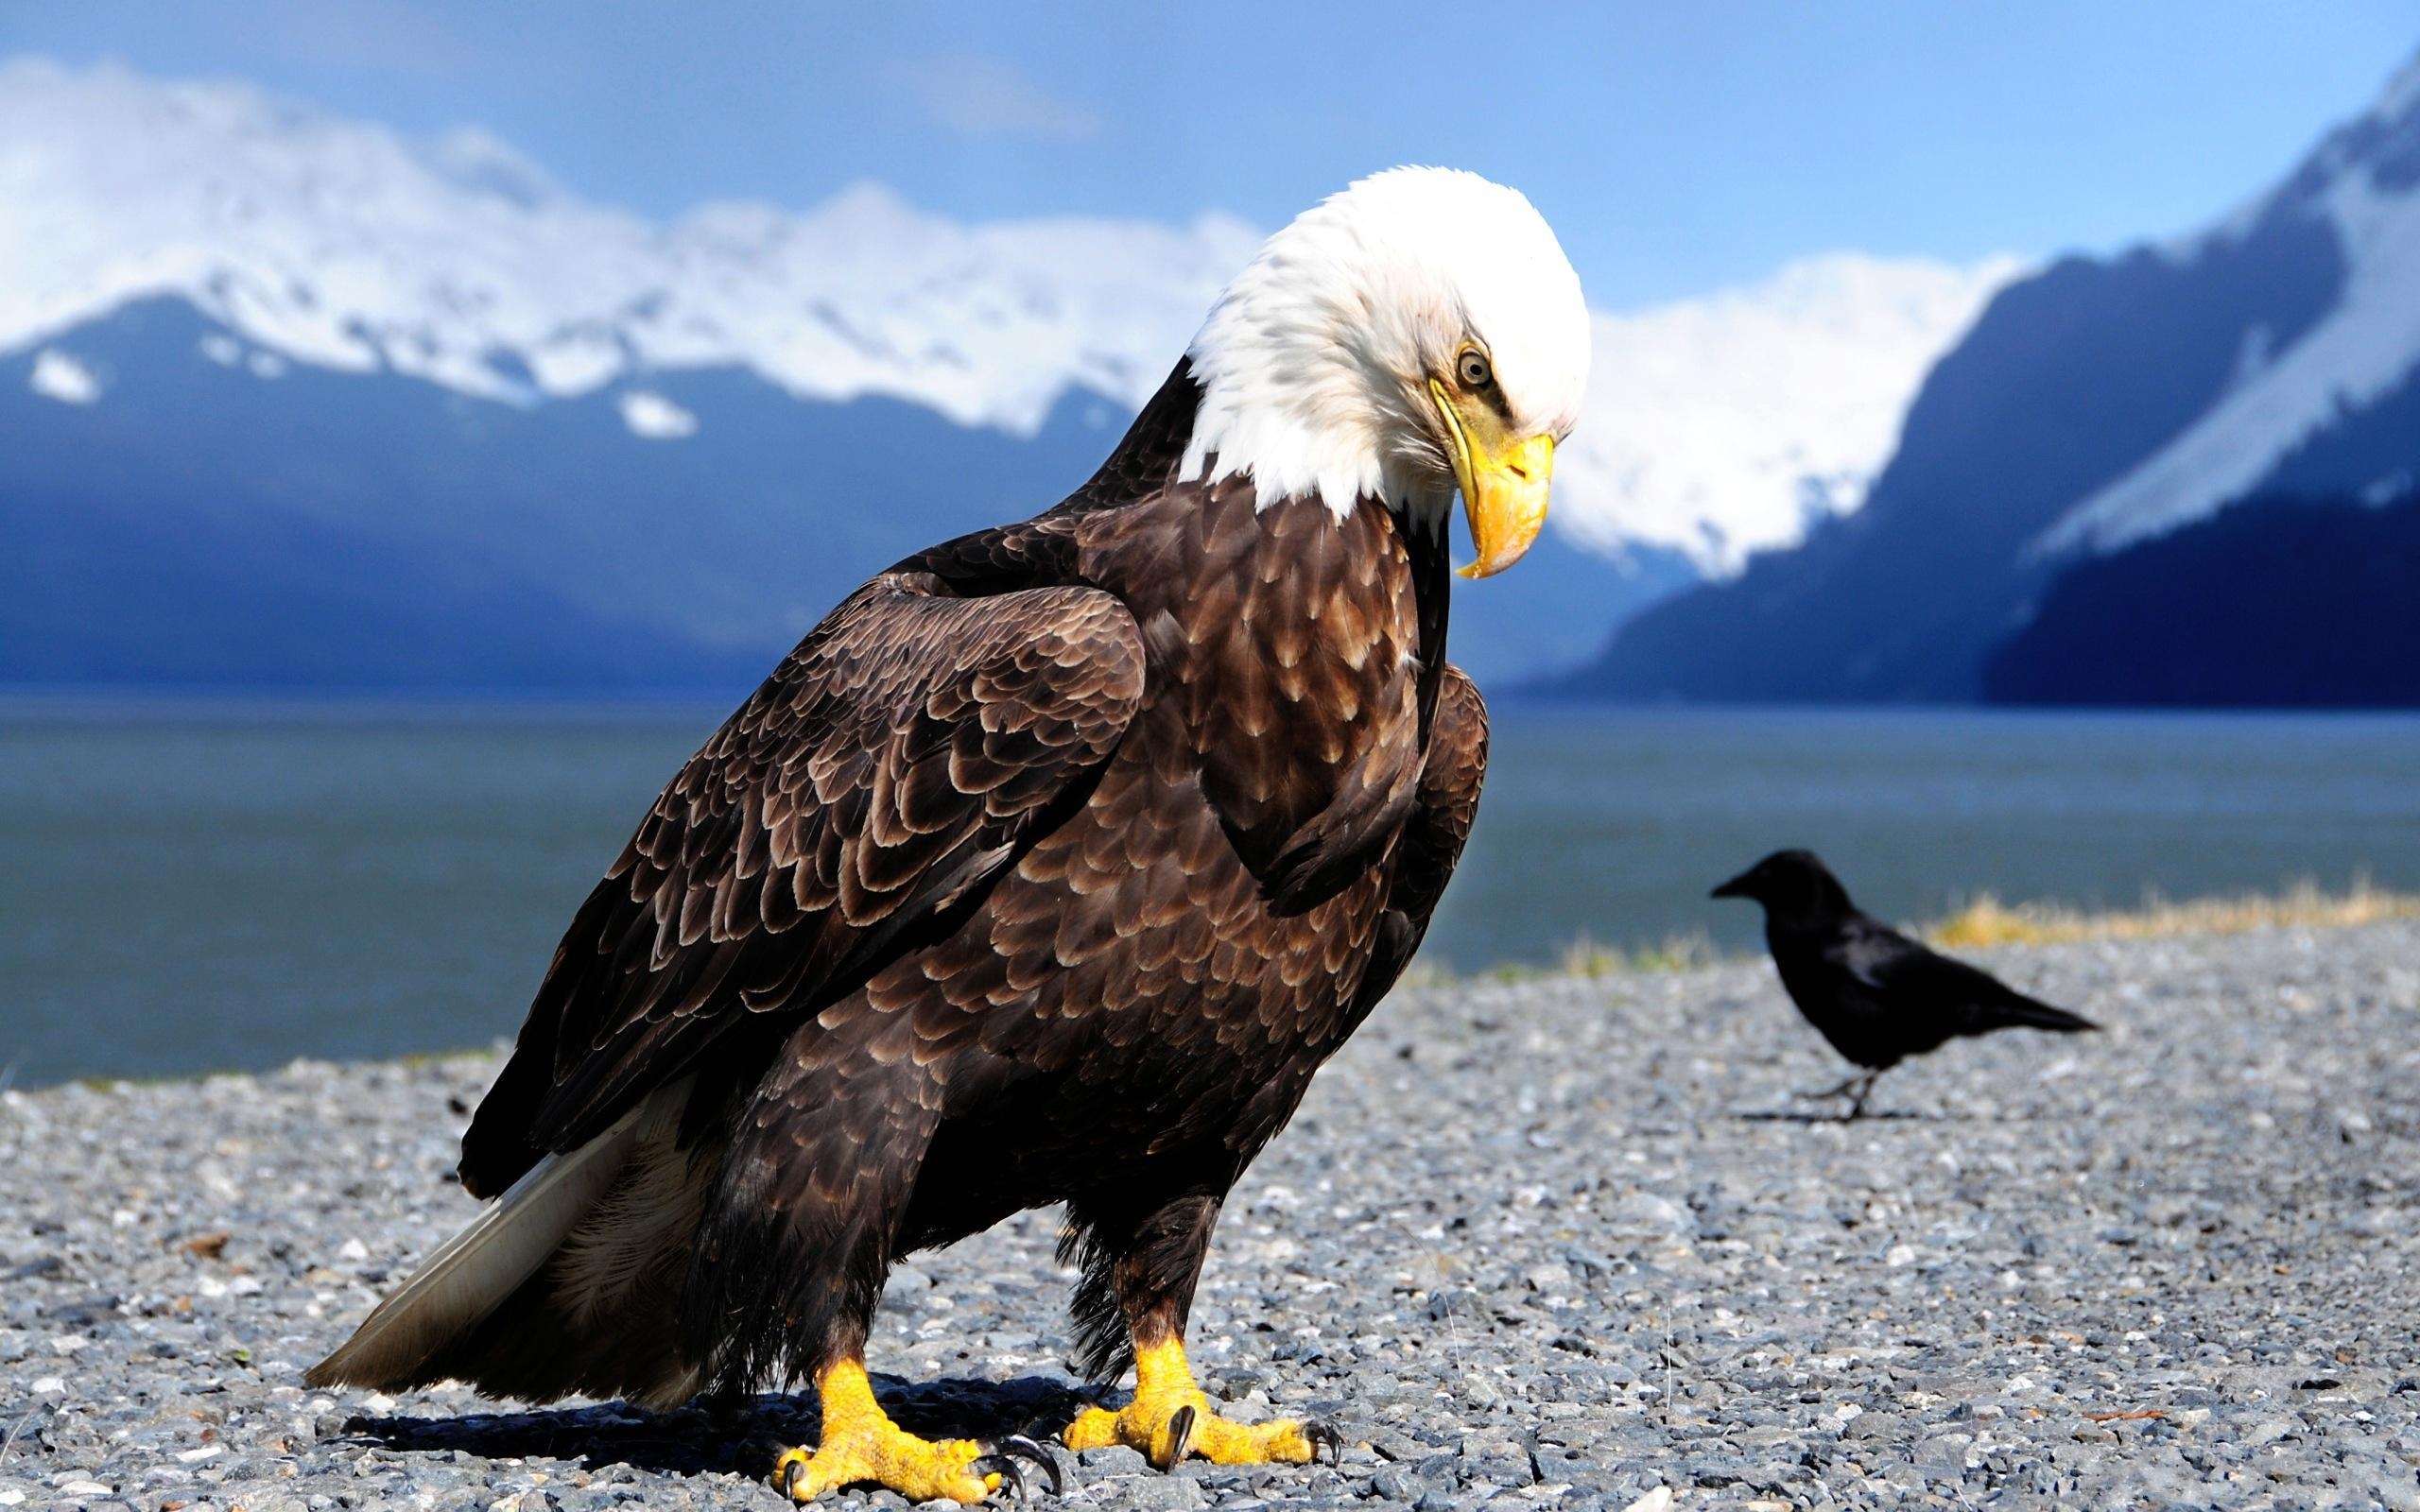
{"x":1613,"y":824}
{"x":189,"y":888}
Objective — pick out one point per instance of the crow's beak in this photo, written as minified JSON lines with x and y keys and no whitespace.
{"x":1736,"y":888}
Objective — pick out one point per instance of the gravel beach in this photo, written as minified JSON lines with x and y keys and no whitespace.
{"x":1556,"y":1242}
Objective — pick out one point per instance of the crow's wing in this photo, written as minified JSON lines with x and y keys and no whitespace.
{"x":1910,"y":978}
{"x":1881,"y":960}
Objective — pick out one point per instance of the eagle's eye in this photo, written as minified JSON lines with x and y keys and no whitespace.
{"x":1473,"y":369}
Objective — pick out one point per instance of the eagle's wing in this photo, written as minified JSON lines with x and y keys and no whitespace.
{"x":1432,"y":844}
{"x":894,"y":762}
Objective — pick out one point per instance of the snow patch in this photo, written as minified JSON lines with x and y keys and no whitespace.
{"x":656,"y":417}
{"x":2389,"y":488}
{"x":59,"y":376}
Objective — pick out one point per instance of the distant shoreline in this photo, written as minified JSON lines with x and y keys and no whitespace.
{"x":1987,"y":921}
{"x":1988,"y":924}
{"x":1984,"y":925}
{"x":277,"y":702}
{"x":306,"y":706}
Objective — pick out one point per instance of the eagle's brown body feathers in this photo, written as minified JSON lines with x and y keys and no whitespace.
{"x":1047,"y":868}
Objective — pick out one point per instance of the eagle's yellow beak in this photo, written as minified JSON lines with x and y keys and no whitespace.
{"x":1503,"y":482}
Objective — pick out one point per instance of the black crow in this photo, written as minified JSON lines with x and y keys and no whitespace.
{"x":1877,"y":995}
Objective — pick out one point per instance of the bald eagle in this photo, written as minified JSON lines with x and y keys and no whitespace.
{"x":1047,"y":868}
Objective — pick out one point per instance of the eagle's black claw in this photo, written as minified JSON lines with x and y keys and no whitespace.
{"x":791,"y":1470}
{"x":1180,"y":1424}
{"x":1000,"y":1458}
{"x":1322,"y":1436}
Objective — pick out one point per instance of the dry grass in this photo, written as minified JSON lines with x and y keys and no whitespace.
{"x":1989,"y":921}
{"x":1675,"y":953}
{"x":1582,"y":958}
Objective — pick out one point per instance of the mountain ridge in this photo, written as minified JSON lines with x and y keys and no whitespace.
{"x":2208,"y":619}
{"x":2022,"y":454}
{"x":1721,"y":425}
{"x":595,"y":557}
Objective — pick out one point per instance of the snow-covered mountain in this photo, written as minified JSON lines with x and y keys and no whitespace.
{"x":2097,"y":410}
{"x":1729,"y":424}
{"x":2364,"y":186}
{"x":343,"y":245}
{"x":1715,"y":427}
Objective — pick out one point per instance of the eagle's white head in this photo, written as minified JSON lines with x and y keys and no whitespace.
{"x":1418,"y":335}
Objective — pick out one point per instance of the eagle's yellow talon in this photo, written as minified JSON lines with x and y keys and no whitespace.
{"x":1155,"y":1424}
{"x":863,"y":1447}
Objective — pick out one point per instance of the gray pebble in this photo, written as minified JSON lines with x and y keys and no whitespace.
{"x":1585,"y":1237}
{"x":1116,"y":1461}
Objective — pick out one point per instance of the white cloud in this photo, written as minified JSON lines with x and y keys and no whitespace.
{"x":981,"y":97}
{"x":656,"y":417}
{"x":59,"y":376}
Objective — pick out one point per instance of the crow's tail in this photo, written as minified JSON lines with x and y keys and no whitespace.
{"x":2025,"y":1013}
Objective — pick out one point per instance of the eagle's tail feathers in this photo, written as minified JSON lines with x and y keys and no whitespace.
{"x":472,"y":1273}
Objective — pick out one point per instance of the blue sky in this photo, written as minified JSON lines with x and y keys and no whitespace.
{"x":1677,"y":146}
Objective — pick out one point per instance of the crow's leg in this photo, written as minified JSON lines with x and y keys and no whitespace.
{"x":1862,"y":1079}
{"x":1140,"y":1271}
{"x":1864,"y":1086}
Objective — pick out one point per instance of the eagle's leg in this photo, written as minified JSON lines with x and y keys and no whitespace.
{"x":819,"y":1177}
{"x":863,"y":1447}
{"x":1170,"y":1417}
{"x":1151,"y":1266}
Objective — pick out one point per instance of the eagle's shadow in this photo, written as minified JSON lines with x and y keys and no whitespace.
{"x":743,"y":1437}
